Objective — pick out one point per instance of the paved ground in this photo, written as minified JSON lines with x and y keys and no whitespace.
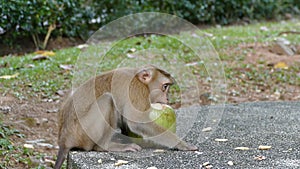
{"x":275,"y":124}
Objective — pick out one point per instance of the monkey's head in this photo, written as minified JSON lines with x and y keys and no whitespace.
{"x":158,"y":82}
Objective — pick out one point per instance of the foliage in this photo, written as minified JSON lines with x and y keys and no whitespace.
{"x":39,"y":19}
{"x":35,"y":18}
{"x":205,"y":11}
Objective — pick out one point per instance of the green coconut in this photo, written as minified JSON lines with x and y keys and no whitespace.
{"x":164,"y":116}
{"x":161,"y":114}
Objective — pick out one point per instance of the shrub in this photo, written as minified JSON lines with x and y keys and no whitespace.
{"x":37,"y":18}
{"x":42,"y":18}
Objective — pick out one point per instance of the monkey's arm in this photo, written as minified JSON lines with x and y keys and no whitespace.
{"x":159,"y":135}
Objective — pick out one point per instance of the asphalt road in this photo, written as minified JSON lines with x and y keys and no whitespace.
{"x":275,"y":124}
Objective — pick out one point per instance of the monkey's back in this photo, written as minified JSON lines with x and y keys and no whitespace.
{"x":79,"y":101}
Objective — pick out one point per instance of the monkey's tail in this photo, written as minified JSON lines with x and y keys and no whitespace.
{"x":61,"y":156}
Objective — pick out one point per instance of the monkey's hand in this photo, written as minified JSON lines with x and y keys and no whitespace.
{"x":185,"y":147}
{"x":123,"y":147}
{"x":132,"y":147}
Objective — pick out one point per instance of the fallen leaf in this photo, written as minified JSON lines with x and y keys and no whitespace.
{"x":152,"y":167}
{"x":158,"y":151}
{"x":263,"y":147}
{"x":44,"y":53}
{"x":60,"y":92}
{"x":206,"y":163}
{"x":230,"y":163}
{"x":281,"y":65}
{"x":207,"y":129}
{"x":130,"y":55}
{"x":242,"y":148}
{"x":82,"y":46}
{"x":259,"y":158}
{"x":9,"y":76}
{"x":52,"y":111}
{"x":221,"y":139}
{"x":264,"y":28}
{"x":40,"y":57}
{"x":28,"y":146}
{"x":50,"y":161}
{"x":208,"y":166}
{"x":121,"y":162}
{"x":66,"y":67}
{"x":198,"y":152}
{"x":29,"y":66}
{"x":132,"y":50}
{"x":208,"y":34}
{"x":100,"y":161}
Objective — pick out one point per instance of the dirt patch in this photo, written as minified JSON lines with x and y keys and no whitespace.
{"x":26,"y":45}
{"x":36,"y":120}
{"x":266,"y":53}
{"x":261,"y":61}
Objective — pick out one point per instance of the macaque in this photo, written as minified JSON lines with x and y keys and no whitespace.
{"x":122,"y":97}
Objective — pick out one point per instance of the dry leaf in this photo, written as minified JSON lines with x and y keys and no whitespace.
{"x":221,"y":139}
{"x":262,"y":147}
{"x":40,"y":57}
{"x":242,"y":148}
{"x":121,"y":162}
{"x":205,"y":164}
{"x":158,"y":151}
{"x":198,"y":152}
{"x":130,"y":55}
{"x":60,"y":92}
{"x":230,"y":163}
{"x":9,"y":76}
{"x":49,"y":161}
{"x":44,"y":53}
{"x":259,"y":158}
{"x":264,"y":28}
{"x":207,"y":129}
{"x":28,"y":146}
{"x":66,"y":67}
{"x":29,"y":66}
{"x":281,"y":65}
{"x":132,"y":50}
{"x":100,"y":161}
{"x":208,"y":166}
{"x":152,"y":167}
{"x":82,"y":46}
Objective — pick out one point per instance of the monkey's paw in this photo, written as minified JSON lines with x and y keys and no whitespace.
{"x":132,"y":147}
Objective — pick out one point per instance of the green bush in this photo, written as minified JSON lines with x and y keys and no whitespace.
{"x":204,"y":11}
{"x":35,"y":18}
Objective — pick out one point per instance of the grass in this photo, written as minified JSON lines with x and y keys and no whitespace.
{"x":9,"y":152}
{"x":39,"y":79}
{"x":43,"y":78}
{"x":226,"y":37}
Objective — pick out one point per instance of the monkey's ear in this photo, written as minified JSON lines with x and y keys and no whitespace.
{"x":145,"y":75}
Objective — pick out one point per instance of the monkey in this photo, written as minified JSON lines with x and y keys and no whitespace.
{"x":121,"y":97}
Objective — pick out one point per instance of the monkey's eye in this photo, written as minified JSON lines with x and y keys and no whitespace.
{"x":165,"y":87}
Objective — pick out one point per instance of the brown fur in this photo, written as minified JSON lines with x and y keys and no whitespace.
{"x":123,"y":96}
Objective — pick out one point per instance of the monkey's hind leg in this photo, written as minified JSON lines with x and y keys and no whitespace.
{"x":102,"y":123}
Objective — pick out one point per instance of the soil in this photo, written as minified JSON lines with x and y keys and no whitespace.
{"x":37,"y":119}
{"x":26,"y":45}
